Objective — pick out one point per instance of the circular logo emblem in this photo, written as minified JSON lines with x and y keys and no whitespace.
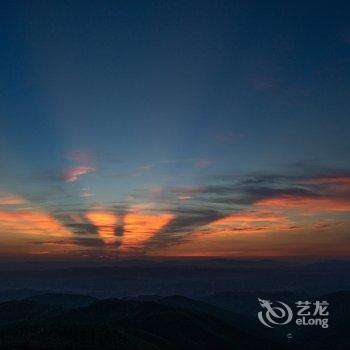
{"x":275,"y":313}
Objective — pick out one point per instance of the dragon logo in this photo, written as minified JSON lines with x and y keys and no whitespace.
{"x":278,"y":314}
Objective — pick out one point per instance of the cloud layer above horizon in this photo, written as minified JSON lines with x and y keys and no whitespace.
{"x":226,"y":215}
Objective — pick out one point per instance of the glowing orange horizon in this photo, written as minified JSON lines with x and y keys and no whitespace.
{"x":32,"y":223}
{"x":307,"y":203}
{"x":138,"y":228}
{"x":105,"y":222}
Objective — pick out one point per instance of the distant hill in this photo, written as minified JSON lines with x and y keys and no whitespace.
{"x":64,"y":300}
{"x":246,"y":303}
{"x":18,"y":294}
{"x":192,"y":279}
{"x":118,"y":324}
{"x":26,"y":310}
{"x":55,"y":321}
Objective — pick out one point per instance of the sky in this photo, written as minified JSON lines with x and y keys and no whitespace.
{"x":174,"y":128}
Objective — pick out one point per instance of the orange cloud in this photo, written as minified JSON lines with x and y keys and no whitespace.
{"x":251,"y":216}
{"x":72,"y":174}
{"x":138,"y":228}
{"x":306,"y":203}
{"x":11,"y":199}
{"x":184,"y":198}
{"x":31,"y":223}
{"x":251,"y":222}
{"x":105,"y":222}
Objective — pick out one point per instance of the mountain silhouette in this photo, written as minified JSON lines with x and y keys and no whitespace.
{"x":52,"y":321}
{"x":43,"y":323}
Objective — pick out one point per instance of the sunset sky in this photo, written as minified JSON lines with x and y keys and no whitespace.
{"x":185,"y":128}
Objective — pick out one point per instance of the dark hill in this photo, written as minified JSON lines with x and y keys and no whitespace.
{"x":64,"y":300}
{"x":119,"y":324}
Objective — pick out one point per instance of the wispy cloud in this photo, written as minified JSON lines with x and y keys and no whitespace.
{"x":252,"y":203}
{"x":12,"y":199}
{"x":74,"y":173}
{"x":251,"y":221}
{"x":186,"y":189}
{"x":312,"y":204}
{"x":184,"y":223}
{"x":184,"y":198}
{"x":203,"y":163}
{"x":140,"y":170}
{"x":85,"y":193}
{"x":330,"y":179}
